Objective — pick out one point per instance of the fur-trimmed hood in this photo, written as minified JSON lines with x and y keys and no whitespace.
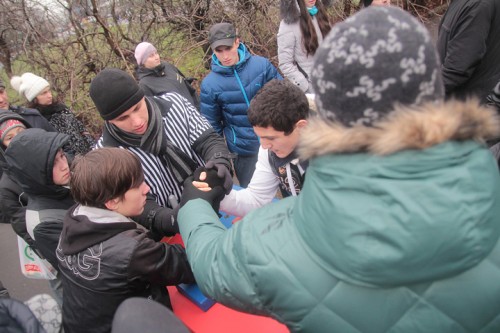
{"x":404,"y":128}
{"x":290,"y":12}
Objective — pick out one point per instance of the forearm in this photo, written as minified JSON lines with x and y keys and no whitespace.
{"x":161,"y":221}
{"x":211,"y":146}
{"x":160,"y":263}
{"x":214,"y":259}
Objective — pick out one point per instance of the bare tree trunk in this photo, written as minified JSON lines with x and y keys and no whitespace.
{"x":5,"y":56}
{"x":347,"y":8}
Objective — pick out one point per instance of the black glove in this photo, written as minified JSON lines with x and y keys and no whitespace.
{"x":223,"y":173}
{"x":213,"y":197}
{"x":164,"y":221}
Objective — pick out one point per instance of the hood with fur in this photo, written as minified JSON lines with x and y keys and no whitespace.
{"x":405,"y":128}
{"x":414,"y":200}
{"x":290,"y":12}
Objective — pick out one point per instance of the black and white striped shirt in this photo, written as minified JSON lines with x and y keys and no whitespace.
{"x":183,"y":125}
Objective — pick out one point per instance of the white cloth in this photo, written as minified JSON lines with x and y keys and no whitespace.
{"x":261,"y":190}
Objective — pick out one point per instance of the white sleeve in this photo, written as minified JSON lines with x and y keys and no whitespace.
{"x":261,"y":190}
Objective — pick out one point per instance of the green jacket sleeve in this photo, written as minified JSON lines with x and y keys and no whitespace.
{"x":217,"y":257}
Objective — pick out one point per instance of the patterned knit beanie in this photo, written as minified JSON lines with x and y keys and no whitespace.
{"x":29,"y":85}
{"x":8,"y":125}
{"x":143,"y":51}
{"x":2,"y":84}
{"x":374,"y":60}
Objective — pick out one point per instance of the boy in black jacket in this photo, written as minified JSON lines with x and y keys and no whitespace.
{"x":104,"y":256}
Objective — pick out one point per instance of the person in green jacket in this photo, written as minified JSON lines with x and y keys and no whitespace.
{"x":398,"y":223}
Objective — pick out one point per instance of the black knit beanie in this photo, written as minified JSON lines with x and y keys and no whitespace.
{"x":114,"y":92}
{"x":377,"y":58}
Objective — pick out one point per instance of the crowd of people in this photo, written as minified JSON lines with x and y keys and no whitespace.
{"x":390,"y":184}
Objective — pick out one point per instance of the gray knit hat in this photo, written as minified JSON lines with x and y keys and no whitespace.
{"x":375,"y":59}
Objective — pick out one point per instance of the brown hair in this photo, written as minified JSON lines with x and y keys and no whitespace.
{"x":104,"y":174}
{"x":309,"y":37}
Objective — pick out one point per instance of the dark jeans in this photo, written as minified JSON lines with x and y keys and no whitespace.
{"x":244,"y":167}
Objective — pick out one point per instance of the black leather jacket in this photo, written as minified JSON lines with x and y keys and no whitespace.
{"x":102,"y":264}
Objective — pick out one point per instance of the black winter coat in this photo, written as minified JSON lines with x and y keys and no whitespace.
{"x":33,"y":117}
{"x":166,"y":78}
{"x":11,"y":200}
{"x":469,"y":47}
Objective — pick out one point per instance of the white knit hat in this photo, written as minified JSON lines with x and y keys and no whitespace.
{"x":29,"y":85}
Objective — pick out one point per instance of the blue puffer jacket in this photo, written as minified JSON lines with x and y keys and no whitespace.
{"x":226,"y":94}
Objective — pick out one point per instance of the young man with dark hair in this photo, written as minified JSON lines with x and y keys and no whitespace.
{"x":121,"y":258}
{"x":278,"y":113}
{"x":166,"y":132}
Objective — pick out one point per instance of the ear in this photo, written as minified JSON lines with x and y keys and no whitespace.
{"x":302,"y":123}
{"x":112,"y":204}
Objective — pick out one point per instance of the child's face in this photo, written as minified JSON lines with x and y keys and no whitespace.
{"x":132,"y":203}
{"x":60,"y":172}
{"x":11,"y":134}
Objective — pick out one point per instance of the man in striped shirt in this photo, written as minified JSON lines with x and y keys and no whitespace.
{"x":167,"y":133}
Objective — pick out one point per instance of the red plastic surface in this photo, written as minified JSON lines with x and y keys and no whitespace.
{"x":220,"y":319}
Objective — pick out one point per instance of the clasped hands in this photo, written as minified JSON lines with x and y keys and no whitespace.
{"x":211,"y":183}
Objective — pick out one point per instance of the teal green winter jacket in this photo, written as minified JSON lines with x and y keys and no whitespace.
{"x":396,"y":230}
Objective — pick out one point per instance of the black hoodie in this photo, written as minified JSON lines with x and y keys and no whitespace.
{"x":30,"y":161}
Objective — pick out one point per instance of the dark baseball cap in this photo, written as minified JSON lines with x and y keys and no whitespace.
{"x":221,"y":34}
